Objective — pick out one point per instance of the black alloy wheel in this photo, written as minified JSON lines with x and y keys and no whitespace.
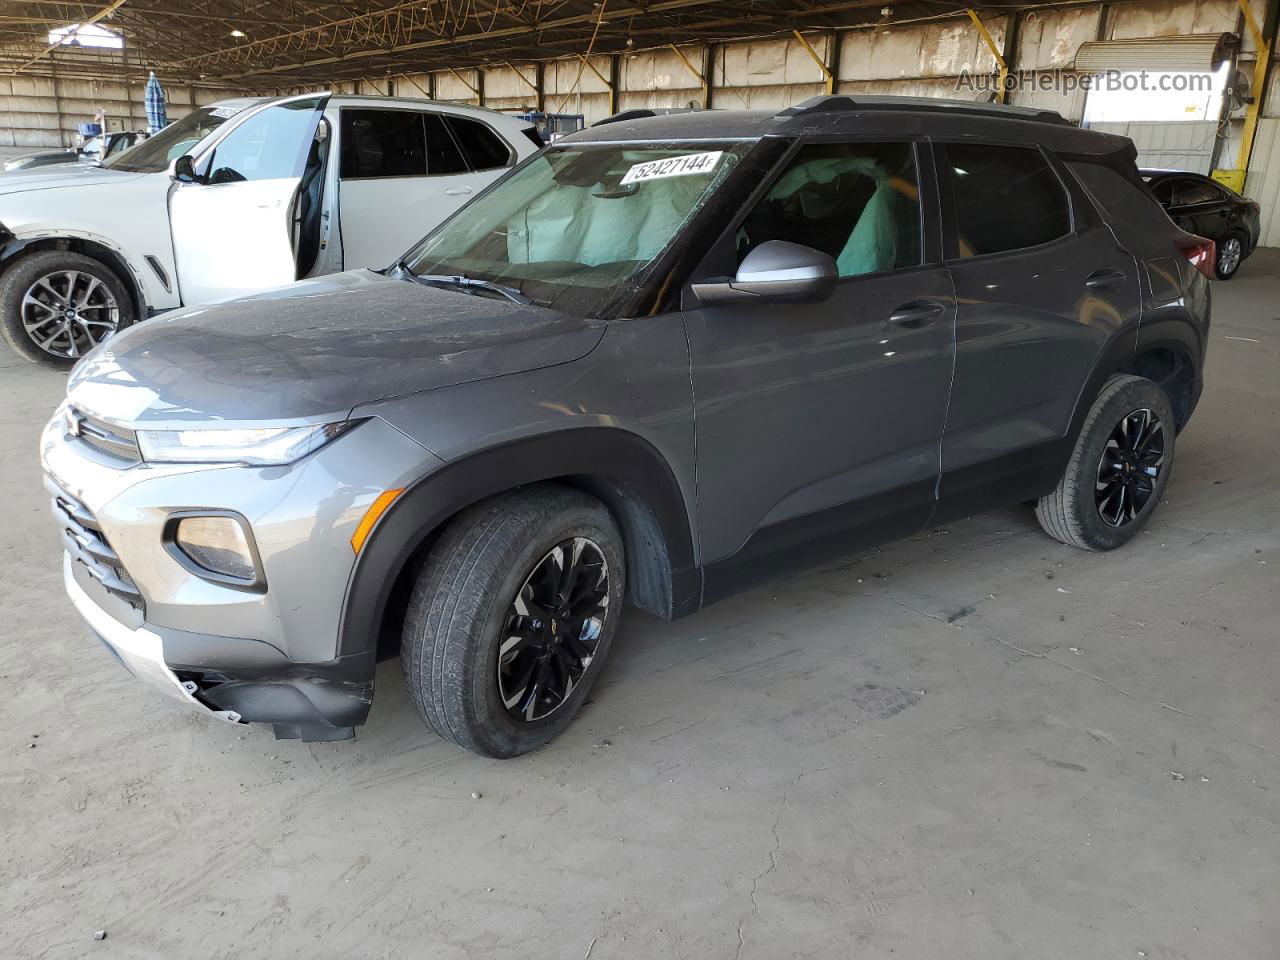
{"x":1129,"y":468}
{"x":553,"y":628}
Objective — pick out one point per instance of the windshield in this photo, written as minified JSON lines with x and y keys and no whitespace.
{"x":578,"y":227}
{"x":155,"y":155}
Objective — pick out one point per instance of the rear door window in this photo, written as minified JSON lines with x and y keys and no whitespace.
{"x":1005,"y":198}
{"x":857,"y":202}
{"x":382,"y":143}
{"x":483,"y":148}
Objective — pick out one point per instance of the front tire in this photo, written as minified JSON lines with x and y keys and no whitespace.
{"x":512,"y":617}
{"x":56,"y":306}
{"x":1118,"y":471}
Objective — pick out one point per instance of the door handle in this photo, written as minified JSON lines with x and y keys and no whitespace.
{"x":916,"y":314}
{"x":458,"y":191}
{"x":1104,"y":279}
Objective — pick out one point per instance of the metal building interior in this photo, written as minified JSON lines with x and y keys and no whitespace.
{"x":970,"y":744}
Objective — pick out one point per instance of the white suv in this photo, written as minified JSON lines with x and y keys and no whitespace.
{"x":236,"y":197}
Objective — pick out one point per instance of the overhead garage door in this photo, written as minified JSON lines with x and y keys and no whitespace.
{"x":1172,"y":146}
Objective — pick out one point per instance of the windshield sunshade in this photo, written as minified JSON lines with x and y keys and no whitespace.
{"x":578,"y":228}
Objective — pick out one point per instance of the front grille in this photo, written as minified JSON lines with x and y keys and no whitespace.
{"x":117,"y":442}
{"x":87,"y":544}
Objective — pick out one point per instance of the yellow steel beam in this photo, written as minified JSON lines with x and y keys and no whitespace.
{"x":828,"y":77}
{"x":1254,"y":109}
{"x":527,"y":82}
{"x":1257,"y":88}
{"x":462,"y":80}
{"x":1252,"y":21}
{"x":590,"y":66}
{"x":702,"y":80}
{"x":995,"y":52}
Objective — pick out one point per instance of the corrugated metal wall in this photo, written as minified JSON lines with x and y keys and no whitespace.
{"x":44,"y":111}
{"x":1172,"y":146}
{"x":920,"y":59}
{"x":1264,"y":179}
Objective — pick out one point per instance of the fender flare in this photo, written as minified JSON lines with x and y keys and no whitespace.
{"x":597,"y":459}
{"x":1116,"y":356}
{"x":14,"y":245}
{"x":1174,"y":333}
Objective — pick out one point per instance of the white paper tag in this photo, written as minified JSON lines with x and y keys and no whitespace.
{"x":684,"y":166}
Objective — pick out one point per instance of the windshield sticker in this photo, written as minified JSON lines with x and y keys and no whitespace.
{"x":673,"y":167}
{"x":224,"y":112}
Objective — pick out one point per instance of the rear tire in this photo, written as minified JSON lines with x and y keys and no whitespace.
{"x":1118,"y":471}
{"x":485,"y":675}
{"x":56,"y":306}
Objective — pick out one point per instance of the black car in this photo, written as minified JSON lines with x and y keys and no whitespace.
{"x":1205,"y":207}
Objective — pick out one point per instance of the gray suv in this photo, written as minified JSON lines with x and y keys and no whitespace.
{"x":654,"y":362}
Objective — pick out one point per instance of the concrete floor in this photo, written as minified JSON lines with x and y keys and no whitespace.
{"x":975,"y":744}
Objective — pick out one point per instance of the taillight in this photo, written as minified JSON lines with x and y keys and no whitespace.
{"x":1201,"y":252}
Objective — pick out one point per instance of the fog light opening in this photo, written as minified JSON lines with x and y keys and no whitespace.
{"x":216,"y":547}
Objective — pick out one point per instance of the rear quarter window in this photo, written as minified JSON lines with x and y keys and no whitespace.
{"x":485,"y":150}
{"x":1122,"y":202}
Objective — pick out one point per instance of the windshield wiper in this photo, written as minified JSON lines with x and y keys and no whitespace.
{"x":458,"y":280}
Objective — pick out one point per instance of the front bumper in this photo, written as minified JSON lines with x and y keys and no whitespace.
{"x":266,"y":654}
{"x":139,"y":650}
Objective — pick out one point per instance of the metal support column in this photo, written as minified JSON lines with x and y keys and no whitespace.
{"x":828,"y":78}
{"x":995,"y":52}
{"x":1263,"y":42}
{"x":705,"y":99}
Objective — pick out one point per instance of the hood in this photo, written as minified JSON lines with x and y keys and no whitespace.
{"x":51,"y":176}
{"x":316,"y":349}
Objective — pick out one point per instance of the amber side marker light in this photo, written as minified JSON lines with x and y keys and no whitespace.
{"x":376,"y":509}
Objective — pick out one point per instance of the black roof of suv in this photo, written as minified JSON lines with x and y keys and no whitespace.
{"x":839,"y":114}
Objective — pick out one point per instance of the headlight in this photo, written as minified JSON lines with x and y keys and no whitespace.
{"x":269,"y":446}
{"x":217,"y":544}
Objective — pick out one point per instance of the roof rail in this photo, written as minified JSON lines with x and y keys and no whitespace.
{"x":840,"y":103}
{"x":640,"y":113}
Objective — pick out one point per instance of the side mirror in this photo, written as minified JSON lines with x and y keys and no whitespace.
{"x":184,"y":170}
{"x":777,"y":271}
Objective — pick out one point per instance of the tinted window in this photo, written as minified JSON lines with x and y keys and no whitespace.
{"x":858,"y":202}
{"x":1164,"y":191}
{"x":1188,"y":192}
{"x":1122,"y":201}
{"x":443,"y":155}
{"x":270,"y":145}
{"x":1006,"y":198}
{"x":382,"y":143}
{"x":482,"y":146}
